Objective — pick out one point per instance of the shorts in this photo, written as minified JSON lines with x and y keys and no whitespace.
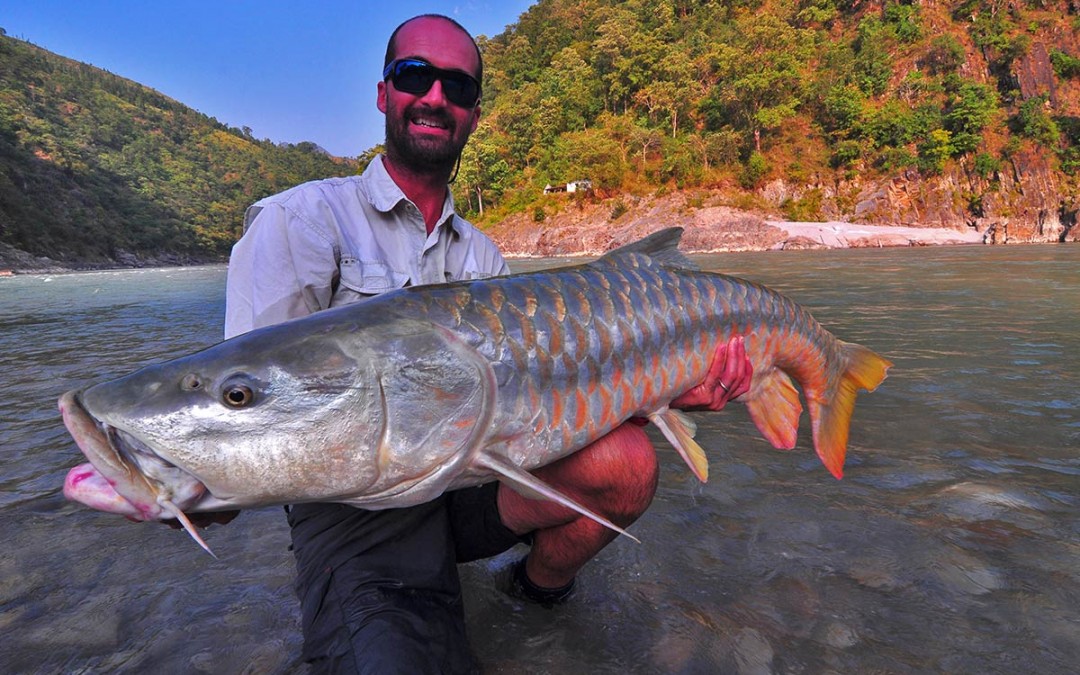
{"x":379,"y":590}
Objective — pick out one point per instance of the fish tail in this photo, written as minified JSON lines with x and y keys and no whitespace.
{"x":830,"y":415}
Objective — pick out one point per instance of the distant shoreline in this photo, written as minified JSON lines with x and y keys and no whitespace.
{"x":772,"y":235}
{"x":838,"y":234}
{"x":790,"y":235}
{"x":14,"y":262}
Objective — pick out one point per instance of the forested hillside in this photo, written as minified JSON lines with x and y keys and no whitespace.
{"x":93,"y":165}
{"x":932,"y":112}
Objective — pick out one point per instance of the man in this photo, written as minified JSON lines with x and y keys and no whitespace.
{"x":379,"y":590}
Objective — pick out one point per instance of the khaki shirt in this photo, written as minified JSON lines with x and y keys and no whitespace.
{"x":341,"y":240}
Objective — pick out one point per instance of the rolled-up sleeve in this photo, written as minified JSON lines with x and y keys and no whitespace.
{"x":282,"y":268}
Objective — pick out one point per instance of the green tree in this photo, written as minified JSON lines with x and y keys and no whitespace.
{"x":935,"y":150}
{"x":759,"y":78}
{"x":843,"y":109}
{"x":1065,"y":65}
{"x":873,"y":62}
{"x":970,"y":109}
{"x":484,"y":173}
{"x":1035,"y":123}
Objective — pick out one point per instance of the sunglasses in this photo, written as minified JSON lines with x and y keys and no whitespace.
{"x":414,"y":76}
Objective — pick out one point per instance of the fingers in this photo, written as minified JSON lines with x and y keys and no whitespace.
{"x":737,"y":370}
{"x":728,"y":377}
{"x":723,"y":373}
{"x":732,"y":370}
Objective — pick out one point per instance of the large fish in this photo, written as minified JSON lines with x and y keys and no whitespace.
{"x":391,"y":402}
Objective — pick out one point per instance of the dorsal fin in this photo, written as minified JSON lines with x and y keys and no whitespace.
{"x":662,"y":246}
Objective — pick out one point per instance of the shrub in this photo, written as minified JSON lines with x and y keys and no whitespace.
{"x":986,"y":165}
{"x":892,"y":159}
{"x":756,"y":168}
{"x":1034,"y":122}
{"x":894,"y":124}
{"x":1065,"y":66}
{"x":904,"y":20}
{"x":946,"y":55}
{"x":807,"y":209}
{"x":846,"y":153}
{"x":873,"y":64}
{"x":618,"y":209}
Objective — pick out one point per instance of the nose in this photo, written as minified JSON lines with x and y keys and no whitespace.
{"x":435,"y":94}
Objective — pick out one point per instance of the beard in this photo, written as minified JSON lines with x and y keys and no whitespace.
{"x":419,"y":153}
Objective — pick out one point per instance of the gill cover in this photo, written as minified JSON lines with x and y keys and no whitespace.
{"x":438,"y":398}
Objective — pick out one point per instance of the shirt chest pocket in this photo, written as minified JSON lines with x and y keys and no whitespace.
{"x":362,"y":279}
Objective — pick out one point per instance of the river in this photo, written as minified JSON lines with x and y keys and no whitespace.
{"x":951,"y":545}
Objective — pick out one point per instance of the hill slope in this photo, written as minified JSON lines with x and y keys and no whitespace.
{"x":94,"y":167}
{"x":962,"y":113}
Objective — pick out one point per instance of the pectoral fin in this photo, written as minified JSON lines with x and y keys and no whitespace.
{"x":524,"y":482}
{"x":679,"y":430}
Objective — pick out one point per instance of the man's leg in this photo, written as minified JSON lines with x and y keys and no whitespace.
{"x":616,"y":476}
{"x":379,"y":590}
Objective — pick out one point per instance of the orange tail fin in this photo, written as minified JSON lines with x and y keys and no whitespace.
{"x":831,"y":416}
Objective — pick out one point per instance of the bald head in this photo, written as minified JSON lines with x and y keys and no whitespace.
{"x":420,"y":24}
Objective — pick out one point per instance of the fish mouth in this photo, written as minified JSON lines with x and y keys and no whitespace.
{"x":114,"y":480}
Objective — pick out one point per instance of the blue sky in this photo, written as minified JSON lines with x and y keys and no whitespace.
{"x":292,"y":71}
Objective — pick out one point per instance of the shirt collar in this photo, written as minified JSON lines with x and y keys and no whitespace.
{"x":385,"y":195}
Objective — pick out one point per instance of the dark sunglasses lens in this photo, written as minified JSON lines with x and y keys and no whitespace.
{"x":460,"y":89}
{"x":414,"y":77}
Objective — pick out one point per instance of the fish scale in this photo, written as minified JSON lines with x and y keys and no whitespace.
{"x":608,"y":332}
{"x":392,"y":401}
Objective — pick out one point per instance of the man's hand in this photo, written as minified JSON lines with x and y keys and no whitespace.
{"x":204,"y":519}
{"x":728,"y":377}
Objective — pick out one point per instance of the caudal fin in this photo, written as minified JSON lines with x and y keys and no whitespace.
{"x":831,"y":416}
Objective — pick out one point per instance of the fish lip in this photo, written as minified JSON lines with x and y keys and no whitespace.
{"x":107,"y":451}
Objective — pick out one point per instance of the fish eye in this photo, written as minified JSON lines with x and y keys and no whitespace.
{"x":191,"y":382}
{"x":237,"y":395}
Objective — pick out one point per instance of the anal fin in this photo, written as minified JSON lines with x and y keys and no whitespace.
{"x":774,"y":406}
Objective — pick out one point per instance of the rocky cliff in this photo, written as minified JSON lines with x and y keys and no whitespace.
{"x":1022,"y":202}
{"x":900,"y":212}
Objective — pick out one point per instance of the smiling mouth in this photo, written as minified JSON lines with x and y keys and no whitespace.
{"x":427,"y":118}
{"x":429,"y":125}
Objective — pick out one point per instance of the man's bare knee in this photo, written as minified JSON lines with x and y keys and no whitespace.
{"x":626,"y":470}
{"x":615,"y":476}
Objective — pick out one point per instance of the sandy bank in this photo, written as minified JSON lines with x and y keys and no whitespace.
{"x":836,"y":234}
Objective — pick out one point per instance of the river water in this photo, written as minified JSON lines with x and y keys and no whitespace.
{"x":951,"y":545}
